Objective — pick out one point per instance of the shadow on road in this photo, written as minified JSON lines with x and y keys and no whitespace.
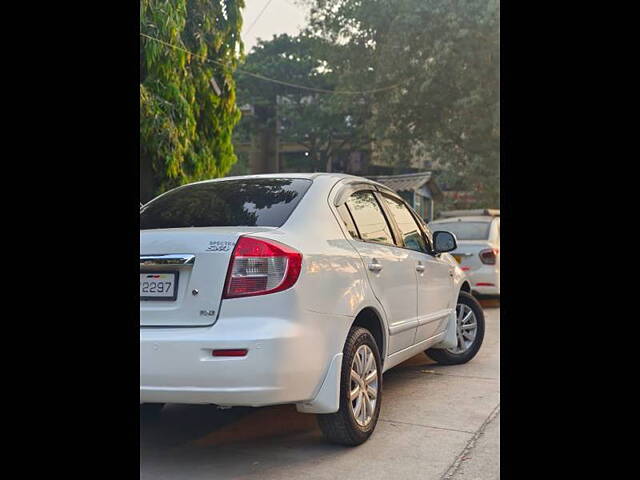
{"x":489,"y":302}
{"x":262,"y":441}
{"x":205,"y":425}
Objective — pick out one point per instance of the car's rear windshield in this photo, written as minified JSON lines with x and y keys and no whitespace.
{"x":464,"y":230}
{"x":262,"y":202}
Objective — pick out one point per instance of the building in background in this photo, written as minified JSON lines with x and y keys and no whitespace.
{"x":418,"y":189}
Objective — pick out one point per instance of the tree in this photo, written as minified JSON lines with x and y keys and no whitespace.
{"x":446,"y":55}
{"x":326,"y":124}
{"x":187,"y":103}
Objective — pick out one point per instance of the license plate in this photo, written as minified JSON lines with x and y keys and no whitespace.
{"x":458,"y":258}
{"x":158,"y":286}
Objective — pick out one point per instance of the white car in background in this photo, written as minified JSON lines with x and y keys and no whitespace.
{"x":478,"y":252}
{"x":294,"y":289}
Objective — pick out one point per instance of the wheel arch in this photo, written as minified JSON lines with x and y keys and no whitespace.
{"x":371,"y":319}
{"x":465,"y":287}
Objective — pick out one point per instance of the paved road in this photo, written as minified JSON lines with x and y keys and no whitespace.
{"x":436,"y":422}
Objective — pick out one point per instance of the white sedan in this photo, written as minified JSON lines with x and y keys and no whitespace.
{"x":294,"y":289}
{"x":478,"y":249}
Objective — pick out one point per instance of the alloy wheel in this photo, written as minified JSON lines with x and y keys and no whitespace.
{"x":466,"y":329}
{"x":364,"y":385}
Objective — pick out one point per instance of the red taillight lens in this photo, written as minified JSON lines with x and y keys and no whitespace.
{"x":259,"y":267}
{"x":488,"y":256}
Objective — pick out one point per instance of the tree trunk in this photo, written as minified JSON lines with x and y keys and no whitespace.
{"x":148,"y":187}
{"x":264,"y":151}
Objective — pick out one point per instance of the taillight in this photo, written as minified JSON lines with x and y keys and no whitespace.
{"x":259,"y":267}
{"x":488,"y":256}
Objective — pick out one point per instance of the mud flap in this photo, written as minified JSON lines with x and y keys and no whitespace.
{"x":450,"y":337}
{"x":328,"y":398}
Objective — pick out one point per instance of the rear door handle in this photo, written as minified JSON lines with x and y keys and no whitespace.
{"x":375,"y":267}
{"x":420,"y":268}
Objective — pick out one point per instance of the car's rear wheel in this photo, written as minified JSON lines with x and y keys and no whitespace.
{"x":469,"y":333}
{"x":360,"y":392}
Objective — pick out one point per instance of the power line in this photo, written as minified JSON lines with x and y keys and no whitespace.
{"x":258,"y":17}
{"x":279,"y":82}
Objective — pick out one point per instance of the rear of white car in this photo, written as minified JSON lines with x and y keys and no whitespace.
{"x":478,"y":251}
{"x":300,"y":289}
{"x":233,"y":325}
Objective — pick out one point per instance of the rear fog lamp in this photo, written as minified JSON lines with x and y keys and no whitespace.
{"x":230,"y":352}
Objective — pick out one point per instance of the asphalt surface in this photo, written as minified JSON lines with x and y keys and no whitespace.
{"x":436,"y":422}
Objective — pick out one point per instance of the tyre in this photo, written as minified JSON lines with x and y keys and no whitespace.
{"x":150,"y":411}
{"x":360,"y":392}
{"x":470,"y":333}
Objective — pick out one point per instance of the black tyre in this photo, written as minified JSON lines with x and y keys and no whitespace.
{"x":470,"y":333}
{"x":360,"y":392}
{"x":150,"y":411}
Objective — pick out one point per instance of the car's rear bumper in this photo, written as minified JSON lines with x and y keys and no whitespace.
{"x":287,"y":361}
{"x":482,"y":290}
{"x":485,"y":280}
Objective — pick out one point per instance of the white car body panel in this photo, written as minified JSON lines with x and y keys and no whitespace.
{"x":395,"y":287}
{"x":294,"y":337}
{"x":435,"y":303}
{"x":207,"y":274}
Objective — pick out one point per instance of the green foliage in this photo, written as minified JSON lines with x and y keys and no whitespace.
{"x":325,"y":124}
{"x":447,"y":53}
{"x":185,"y":127}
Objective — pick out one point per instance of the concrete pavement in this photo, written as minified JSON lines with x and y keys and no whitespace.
{"x":437,"y":422}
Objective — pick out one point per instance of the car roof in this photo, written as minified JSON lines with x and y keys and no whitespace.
{"x":479,"y":218}
{"x":307,"y":176}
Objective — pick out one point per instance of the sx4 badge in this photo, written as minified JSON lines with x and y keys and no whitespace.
{"x":207,"y":313}
{"x":219,"y":246}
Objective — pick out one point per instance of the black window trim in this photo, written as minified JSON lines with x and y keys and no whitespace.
{"x":422,"y":224}
{"x":413,"y":215}
{"x":353,"y":220}
{"x":358,"y":185}
{"x":368,"y":188}
{"x":346,"y":207}
{"x":391,"y":223}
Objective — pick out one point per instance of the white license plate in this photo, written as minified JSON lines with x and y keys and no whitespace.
{"x":158,"y":286}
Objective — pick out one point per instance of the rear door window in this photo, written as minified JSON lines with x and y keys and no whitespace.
{"x":409,"y":228}
{"x":258,"y":202}
{"x":369,"y":219}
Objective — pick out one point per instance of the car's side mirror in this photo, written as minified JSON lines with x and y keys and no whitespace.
{"x":444,"y":242}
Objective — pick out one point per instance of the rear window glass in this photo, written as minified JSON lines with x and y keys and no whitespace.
{"x":262,"y":202}
{"x":464,"y":230}
{"x":369,"y":218}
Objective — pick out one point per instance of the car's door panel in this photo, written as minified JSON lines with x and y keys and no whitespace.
{"x":390,"y":270}
{"x":434,"y":279}
{"x":434,"y":297}
{"x":394,"y":285}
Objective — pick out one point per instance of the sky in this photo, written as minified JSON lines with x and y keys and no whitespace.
{"x":280,"y":16}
